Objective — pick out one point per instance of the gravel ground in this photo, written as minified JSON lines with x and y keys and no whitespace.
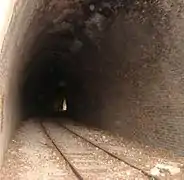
{"x":143,"y":157}
{"x":31,"y":155}
{"x":91,"y":162}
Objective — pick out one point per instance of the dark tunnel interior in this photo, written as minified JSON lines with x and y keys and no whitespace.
{"x":106,"y":61}
{"x":57,"y":75}
{"x":49,"y":76}
{"x":65,"y":66}
{"x":86,"y":62}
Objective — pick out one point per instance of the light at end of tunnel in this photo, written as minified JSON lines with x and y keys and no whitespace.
{"x":64,"y":105}
{"x":61,"y":106}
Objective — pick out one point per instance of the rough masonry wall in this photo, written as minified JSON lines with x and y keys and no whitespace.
{"x":17,"y":20}
{"x":133,"y":82}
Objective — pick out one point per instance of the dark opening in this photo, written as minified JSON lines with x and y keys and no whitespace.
{"x":49,"y":78}
{"x":64,"y":74}
{"x":54,"y":81}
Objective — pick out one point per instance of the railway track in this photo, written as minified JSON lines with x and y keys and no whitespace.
{"x":64,"y":149}
{"x":79,"y":175}
{"x":74,"y":170}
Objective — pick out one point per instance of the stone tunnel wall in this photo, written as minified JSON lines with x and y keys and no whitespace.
{"x":132,"y":82}
{"x":16,"y":23}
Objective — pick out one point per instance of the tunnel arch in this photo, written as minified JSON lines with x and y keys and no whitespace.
{"x":119,"y":61}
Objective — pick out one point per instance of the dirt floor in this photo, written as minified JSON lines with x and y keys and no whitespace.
{"x":33,"y":156}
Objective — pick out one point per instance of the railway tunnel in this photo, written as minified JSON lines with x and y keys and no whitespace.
{"x":118,"y":64}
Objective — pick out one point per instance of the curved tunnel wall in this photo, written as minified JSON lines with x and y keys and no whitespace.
{"x":124,"y":66}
